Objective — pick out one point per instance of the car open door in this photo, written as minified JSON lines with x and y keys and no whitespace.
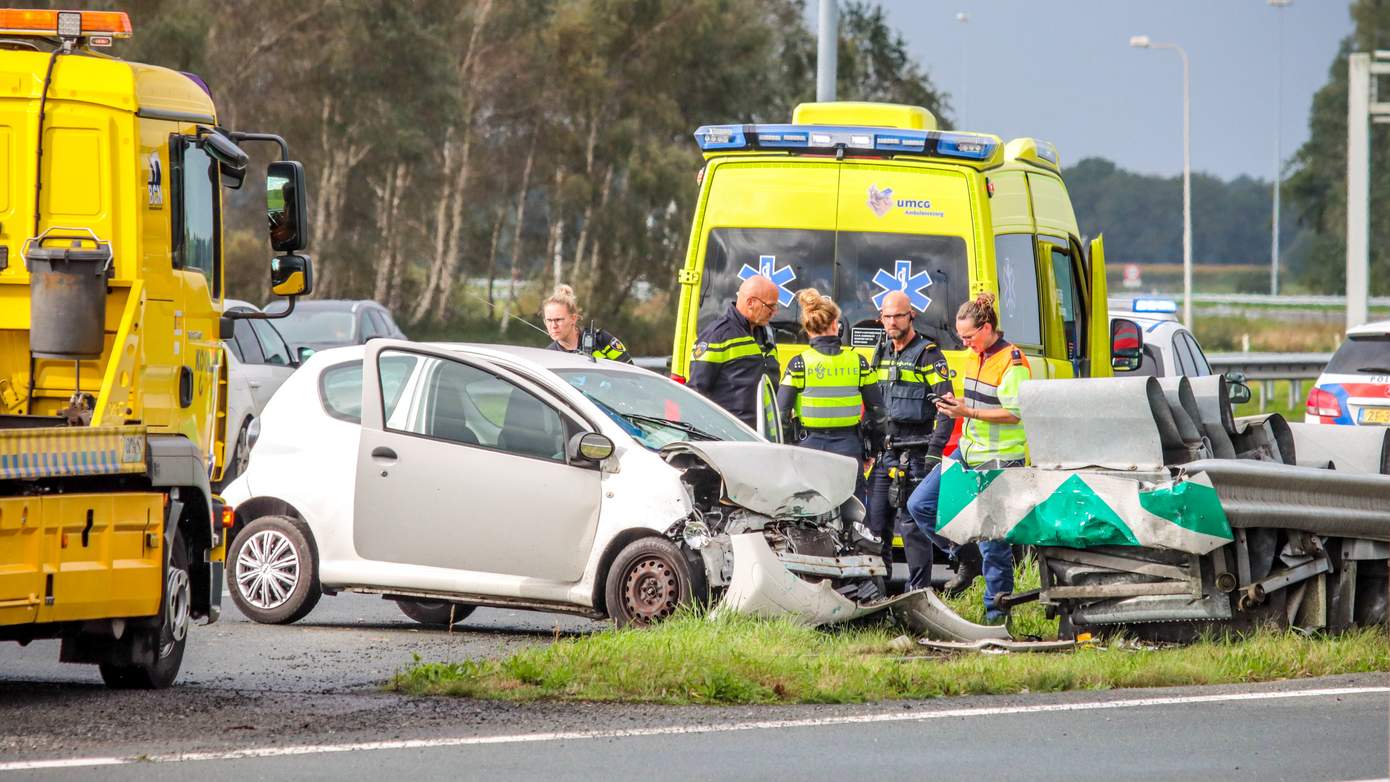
{"x":463,"y":466}
{"x":1099,"y":316}
{"x":769,"y":413}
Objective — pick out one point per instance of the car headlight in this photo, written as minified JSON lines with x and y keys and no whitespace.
{"x":696,"y":534}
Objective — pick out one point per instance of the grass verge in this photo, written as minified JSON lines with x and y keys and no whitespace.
{"x":733,"y":659}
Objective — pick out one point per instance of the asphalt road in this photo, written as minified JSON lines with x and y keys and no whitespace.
{"x":304,"y":702}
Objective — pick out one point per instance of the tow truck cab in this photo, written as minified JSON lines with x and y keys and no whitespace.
{"x":112,"y":378}
{"x":859,"y":199}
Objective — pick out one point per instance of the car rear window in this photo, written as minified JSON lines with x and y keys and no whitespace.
{"x":340,"y":386}
{"x":1362,"y":353}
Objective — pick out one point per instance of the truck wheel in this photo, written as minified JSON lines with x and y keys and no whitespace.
{"x":161,"y":648}
{"x":648,"y":580}
{"x":271,"y":571}
{"x":435,"y":613}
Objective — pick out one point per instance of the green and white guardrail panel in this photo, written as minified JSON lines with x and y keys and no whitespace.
{"x":1031,"y":506}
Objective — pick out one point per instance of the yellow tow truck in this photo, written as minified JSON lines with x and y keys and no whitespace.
{"x":112,"y":379}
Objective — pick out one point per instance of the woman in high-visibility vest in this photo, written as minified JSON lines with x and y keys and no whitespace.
{"x":832,"y":390}
{"x":991,"y":437}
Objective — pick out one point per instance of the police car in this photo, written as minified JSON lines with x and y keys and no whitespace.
{"x":1169,"y":347}
{"x":1354,"y":388}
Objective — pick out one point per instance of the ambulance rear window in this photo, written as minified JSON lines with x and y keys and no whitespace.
{"x":855,"y":267}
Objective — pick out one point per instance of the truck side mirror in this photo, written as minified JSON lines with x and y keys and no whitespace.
{"x":285,"y":209}
{"x":1126,"y":345}
{"x":291,"y":275}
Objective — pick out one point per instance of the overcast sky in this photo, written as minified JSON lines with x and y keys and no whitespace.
{"x":1063,"y":70}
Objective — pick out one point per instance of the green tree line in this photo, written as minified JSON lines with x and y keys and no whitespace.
{"x":465,"y":156}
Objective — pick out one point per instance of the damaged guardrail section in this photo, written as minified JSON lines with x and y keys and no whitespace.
{"x":1154,"y":509}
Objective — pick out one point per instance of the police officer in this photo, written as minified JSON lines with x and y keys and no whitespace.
{"x":993,"y":434}
{"x":733,"y":354}
{"x":911,"y":369}
{"x":561,"y":313}
{"x":832,"y":391}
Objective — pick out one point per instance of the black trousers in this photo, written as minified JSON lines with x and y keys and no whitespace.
{"x":883,"y":520}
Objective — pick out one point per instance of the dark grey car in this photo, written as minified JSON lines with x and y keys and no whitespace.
{"x":331,"y":323}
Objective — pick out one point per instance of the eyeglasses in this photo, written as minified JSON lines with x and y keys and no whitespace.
{"x":967,"y":337}
{"x":772,"y":306}
{"x":894,"y":315}
{"x":555,"y":321}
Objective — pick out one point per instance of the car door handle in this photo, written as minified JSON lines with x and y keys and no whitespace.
{"x":383,"y":454}
{"x":254,"y":383}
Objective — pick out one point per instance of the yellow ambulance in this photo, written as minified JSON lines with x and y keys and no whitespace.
{"x":859,"y":199}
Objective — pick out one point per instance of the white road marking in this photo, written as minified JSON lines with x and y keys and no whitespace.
{"x":675,"y":730}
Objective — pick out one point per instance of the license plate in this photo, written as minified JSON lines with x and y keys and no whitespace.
{"x":1375,"y":415}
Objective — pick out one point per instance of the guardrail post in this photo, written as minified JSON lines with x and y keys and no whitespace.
{"x":1295,"y":392}
{"x":1266,"y":391}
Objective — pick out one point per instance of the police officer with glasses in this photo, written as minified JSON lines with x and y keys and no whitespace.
{"x":912,"y":373}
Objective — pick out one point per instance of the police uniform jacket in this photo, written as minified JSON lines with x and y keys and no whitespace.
{"x":730,"y":360}
{"x":871,"y":415}
{"x":605,"y":346}
{"x":905,"y":377}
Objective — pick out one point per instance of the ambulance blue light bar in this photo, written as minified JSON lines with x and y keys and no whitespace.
{"x":1155,"y":306}
{"x":970,"y":146}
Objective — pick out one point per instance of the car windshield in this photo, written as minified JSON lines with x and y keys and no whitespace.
{"x":1362,"y":353}
{"x":315,"y":326}
{"x":654,"y":410}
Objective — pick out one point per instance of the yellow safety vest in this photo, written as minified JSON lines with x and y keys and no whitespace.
{"x":992,"y":384}
{"x":828,"y":394}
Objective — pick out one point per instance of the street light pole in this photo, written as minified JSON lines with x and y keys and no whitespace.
{"x":1278,"y":149}
{"x":1143,"y":42}
{"x":827,"y":50}
{"x":964,"y":19}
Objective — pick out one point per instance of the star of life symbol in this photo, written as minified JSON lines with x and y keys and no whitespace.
{"x":902,"y":279}
{"x":780,"y":276}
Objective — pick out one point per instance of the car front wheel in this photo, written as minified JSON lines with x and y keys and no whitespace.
{"x":271,"y":571}
{"x":650,"y":578}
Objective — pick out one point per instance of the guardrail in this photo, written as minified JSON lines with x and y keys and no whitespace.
{"x":1266,"y":368}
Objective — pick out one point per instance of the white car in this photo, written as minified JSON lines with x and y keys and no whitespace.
{"x":448,"y":476}
{"x":1170,"y":349}
{"x":1354,"y":388}
{"x":258,"y":362}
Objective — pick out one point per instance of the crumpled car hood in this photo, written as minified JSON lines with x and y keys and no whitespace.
{"x":776,"y":480}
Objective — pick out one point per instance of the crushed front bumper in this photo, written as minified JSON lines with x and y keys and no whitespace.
{"x":763,"y":584}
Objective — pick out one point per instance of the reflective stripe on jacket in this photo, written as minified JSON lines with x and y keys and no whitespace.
{"x":728,"y":362}
{"x":991,"y":383}
{"x":605,"y":346}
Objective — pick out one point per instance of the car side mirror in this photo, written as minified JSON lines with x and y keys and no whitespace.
{"x":291,"y":275}
{"x":1237,"y":390}
{"x":1126,"y":345}
{"x":226,"y":328}
{"x":304,"y":352}
{"x":590,"y":447}
{"x":285,"y":206}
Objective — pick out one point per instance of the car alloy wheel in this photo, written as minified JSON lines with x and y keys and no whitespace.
{"x":267,"y":569}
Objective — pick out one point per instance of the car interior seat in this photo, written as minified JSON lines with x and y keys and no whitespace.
{"x":449,"y":417}
{"x":530,"y":428}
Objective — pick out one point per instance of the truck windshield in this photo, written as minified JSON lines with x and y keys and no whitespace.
{"x":852,"y":266}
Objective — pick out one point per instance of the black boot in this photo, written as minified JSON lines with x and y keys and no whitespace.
{"x":967,"y":568}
